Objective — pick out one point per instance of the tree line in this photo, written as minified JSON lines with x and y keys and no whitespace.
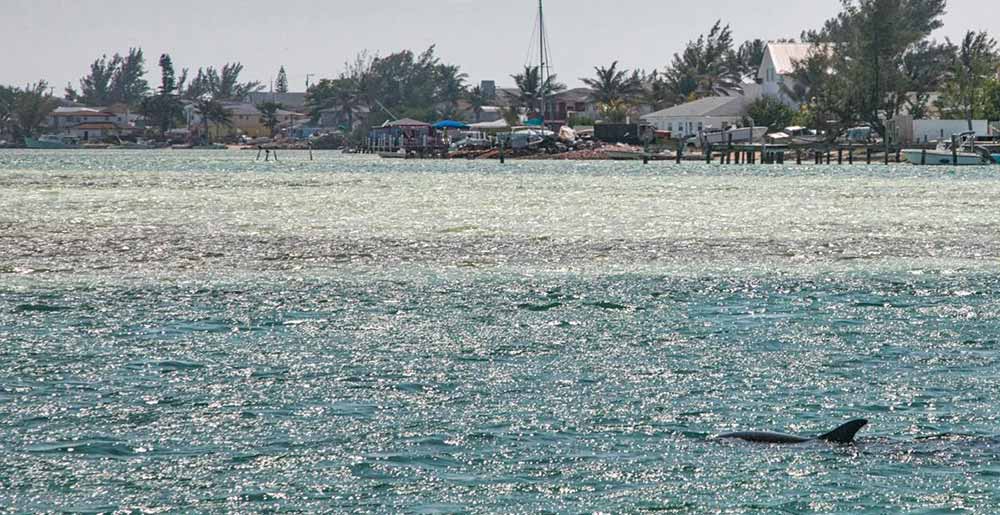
{"x":120,"y":80}
{"x":871,"y":62}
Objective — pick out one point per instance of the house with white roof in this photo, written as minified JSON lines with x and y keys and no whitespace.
{"x":778,"y":66}
{"x":87,"y":124}
{"x":690,"y":118}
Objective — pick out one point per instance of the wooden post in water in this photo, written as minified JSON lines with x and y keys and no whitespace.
{"x":954,"y":150}
{"x":850,"y":155}
{"x":729,"y":149}
{"x":680,"y":150}
{"x":840,"y":155}
{"x":828,"y":153}
{"x":923,"y":156}
{"x":798,"y":156}
{"x":501,"y":152}
{"x":708,"y":153}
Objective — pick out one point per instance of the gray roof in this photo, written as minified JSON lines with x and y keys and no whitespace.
{"x":241,"y":108}
{"x":289,"y":100}
{"x":574,"y":95}
{"x":408,"y":122}
{"x":357,"y":110}
{"x":708,"y":107}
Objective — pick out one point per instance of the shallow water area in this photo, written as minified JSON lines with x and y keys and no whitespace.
{"x":197,"y":331}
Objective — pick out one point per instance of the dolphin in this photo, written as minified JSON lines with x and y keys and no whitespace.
{"x":842,"y":435}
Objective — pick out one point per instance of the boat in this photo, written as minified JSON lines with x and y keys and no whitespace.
{"x":796,"y":135}
{"x":629,"y":155}
{"x":722,"y":136}
{"x":52,"y":142}
{"x":966,"y":153}
{"x":138,"y":144}
{"x":393,"y":155}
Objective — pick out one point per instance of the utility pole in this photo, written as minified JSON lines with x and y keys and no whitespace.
{"x":309,"y":76}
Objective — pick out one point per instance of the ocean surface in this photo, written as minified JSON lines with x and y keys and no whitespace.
{"x":198,"y":332}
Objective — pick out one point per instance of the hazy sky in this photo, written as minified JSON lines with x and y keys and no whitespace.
{"x":56,"y":40}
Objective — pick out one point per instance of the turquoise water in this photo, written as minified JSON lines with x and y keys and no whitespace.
{"x":194,"y":331}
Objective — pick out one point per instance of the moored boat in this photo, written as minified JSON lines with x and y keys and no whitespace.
{"x":52,"y":142}
{"x":961,"y":151}
{"x":738,"y":135}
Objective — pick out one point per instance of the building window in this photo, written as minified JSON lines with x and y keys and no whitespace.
{"x":700,"y":126}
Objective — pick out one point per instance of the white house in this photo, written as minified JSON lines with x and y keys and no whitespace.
{"x":66,"y":117}
{"x":775,"y":73}
{"x":691,"y":118}
{"x":86,"y":123}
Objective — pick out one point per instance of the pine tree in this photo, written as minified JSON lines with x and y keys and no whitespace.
{"x":281,"y":84}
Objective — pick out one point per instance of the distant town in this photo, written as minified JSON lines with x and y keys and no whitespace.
{"x":865,"y":69}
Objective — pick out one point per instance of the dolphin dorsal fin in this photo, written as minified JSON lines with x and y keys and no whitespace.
{"x":844,"y":433}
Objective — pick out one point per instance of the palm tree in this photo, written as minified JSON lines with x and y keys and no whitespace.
{"x":613,"y":85}
{"x":346,"y":99}
{"x":450,"y":82}
{"x":477,"y":101}
{"x":656,"y":92}
{"x":269,"y":115}
{"x":212,"y":111}
{"x":529,"y":85}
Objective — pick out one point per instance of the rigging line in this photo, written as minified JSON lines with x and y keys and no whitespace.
{"x":529,"y":57}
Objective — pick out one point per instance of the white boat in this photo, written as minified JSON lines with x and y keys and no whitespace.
{"x":966,"y":153}
{"x":739,"y":135}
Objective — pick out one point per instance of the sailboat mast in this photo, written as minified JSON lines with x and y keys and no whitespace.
{"x":541,"y":61}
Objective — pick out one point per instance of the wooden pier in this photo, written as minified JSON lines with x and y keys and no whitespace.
{"x":832,"y":154}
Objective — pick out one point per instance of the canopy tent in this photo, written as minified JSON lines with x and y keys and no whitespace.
{"x":450,"y":124}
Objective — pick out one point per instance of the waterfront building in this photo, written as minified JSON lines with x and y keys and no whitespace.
{"x":690,"y":118}
{"x":778,"y":66}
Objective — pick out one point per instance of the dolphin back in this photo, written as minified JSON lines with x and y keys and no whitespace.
{"x":845,"y":433}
